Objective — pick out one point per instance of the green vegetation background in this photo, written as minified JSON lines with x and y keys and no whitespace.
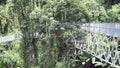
{"x":52,"y":48}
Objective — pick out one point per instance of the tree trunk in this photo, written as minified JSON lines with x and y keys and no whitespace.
{"x":35,"y":51}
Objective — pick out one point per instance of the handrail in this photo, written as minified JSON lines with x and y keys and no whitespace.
{"x":102,"y":42}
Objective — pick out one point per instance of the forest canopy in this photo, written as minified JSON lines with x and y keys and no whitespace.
{"x":54,"y":21}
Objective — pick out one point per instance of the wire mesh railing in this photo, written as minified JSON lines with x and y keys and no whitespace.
{"x":102,"y":41}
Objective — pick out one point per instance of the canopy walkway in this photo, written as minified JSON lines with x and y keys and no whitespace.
{"x":13,"y":37}
{"x":10,"y":38}
{"x":102,"y":41}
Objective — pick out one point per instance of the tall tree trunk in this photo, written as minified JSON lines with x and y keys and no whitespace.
{"x":35,"y":51}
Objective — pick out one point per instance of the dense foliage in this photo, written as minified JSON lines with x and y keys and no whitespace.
{"x":47,"y":27}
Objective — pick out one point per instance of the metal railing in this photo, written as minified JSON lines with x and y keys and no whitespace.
{"x":102,"y":41}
